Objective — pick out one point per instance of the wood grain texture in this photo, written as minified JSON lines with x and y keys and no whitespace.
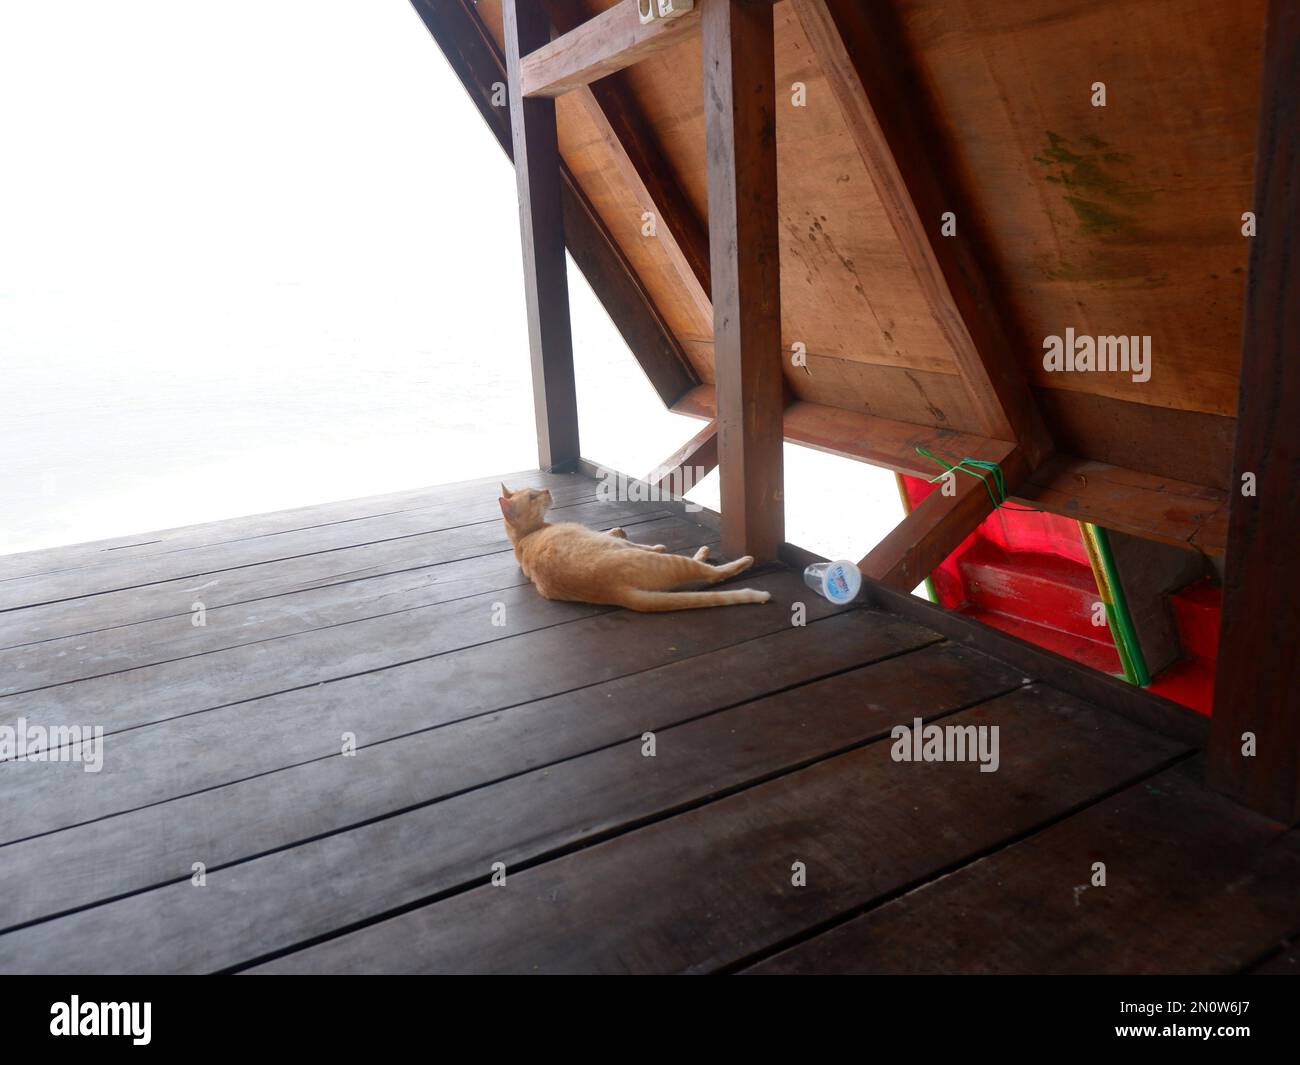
{"x":714,"y":884}
{"x":1257,"y":683}
{"x":1191,"y":516}
{"x":1179,"y":860}
{"x":145,"y":599}
{"x":452,"y":844}
{"x":1122,"y":219}
{"x":135,"y":849}
{"x":118,"y":648}
{"x":867,"y":77}
{"x":1117,"y":220}
{"x":541,"y":225}
{"x":601,"y":46}
{"x":523,"y":744}
{"x":740,"y":129}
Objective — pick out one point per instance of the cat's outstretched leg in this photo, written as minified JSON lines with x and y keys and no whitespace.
{"x":657,"y":602}
{"x":658,"y":549}
{"x":669,"y":571}
{"x":729,"y":569}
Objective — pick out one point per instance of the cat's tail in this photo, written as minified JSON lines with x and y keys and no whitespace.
{"x":655,"y":602}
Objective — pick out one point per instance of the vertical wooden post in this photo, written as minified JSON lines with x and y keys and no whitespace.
{"x":541,"y":223}
{"x":744,"y":244}
{"x":1257,"y":686}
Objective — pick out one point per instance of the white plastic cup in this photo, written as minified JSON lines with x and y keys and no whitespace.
{"x":839,"y":581}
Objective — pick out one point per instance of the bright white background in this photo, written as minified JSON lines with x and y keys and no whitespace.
{"x":265,"y":253}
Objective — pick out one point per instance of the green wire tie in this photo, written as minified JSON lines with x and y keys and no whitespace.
{"x":992,"y":469}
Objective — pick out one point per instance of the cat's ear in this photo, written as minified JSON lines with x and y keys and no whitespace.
{"x":505,"y":492}
{"x":507,"y":507}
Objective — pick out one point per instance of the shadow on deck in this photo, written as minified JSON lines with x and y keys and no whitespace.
{"x":231,"y":664}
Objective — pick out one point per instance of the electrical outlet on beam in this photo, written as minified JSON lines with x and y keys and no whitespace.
{"x":649,"y":10}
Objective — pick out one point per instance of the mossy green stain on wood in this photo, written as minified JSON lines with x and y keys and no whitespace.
{"x":1095,"y":194}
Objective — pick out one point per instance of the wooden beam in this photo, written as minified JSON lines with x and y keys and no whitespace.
{"x":1257,"y":685}
{"x":612,"y":40}
{"x":744,"y":241}
{"x":865,"y":68}
{"x":647,"y":173}
{"x":1186,"y":515}
{"x":640,"y":161}
{"x":862,"y":437}
{"x":480,"y":66}
{"x":699,"y":455}
{"x":541,"y":225}
{"x":1190,"y":516}
{"x":933,"y":530}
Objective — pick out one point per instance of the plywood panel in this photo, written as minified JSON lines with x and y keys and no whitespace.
{"x":1115,"y":220}
{"x":841,"y":263}
{"x":1120,"y":220}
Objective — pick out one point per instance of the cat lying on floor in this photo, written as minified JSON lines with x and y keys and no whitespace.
{"x":570,"y":561}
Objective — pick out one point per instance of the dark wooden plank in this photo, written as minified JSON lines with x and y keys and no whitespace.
{"x":712,"y":887}
{"x":1258,"y":674}
{"x":745,"y":254}
{"x":122,"y":647}
{"x":1194,"y":885}
{"x":151,"y":844}
{"x":474,"y":57}
{"x":541,"y":225}
{"x":453,"y":664}
{"x":206,"y":534}
{"x":613,"y":40}
{"x":249,"y":908}
{"x":199,"y":682}
{"x":175,"y":598}
{"x":865,"y":63}
{"x":116,"y":574}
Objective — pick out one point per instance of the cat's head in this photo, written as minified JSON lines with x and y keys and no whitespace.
{"x":524,"y":509}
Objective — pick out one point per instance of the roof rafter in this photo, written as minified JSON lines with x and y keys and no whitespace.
{"x":866,"y":75}
{"x":641,"y":163}
{"x":598,"y":47}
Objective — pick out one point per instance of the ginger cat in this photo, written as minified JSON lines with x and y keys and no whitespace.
{"x":570,"y":561}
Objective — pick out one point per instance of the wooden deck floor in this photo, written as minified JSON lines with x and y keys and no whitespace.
{"x":521,"y":743}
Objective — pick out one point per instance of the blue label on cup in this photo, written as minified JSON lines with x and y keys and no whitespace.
{"x":837,"y":585}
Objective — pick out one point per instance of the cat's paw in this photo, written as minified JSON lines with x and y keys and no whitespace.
{"x":617,"y":532}
{"x":702,"y":554}
{"x":659,"y":547}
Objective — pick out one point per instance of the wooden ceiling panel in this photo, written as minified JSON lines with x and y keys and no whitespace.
{"x":1115,"y":220}
{"x":1120,"y":220}
{"x":846,"y":289}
